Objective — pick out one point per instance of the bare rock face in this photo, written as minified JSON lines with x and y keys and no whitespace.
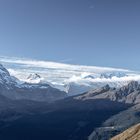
{"x":132,"y":133}
{"x":128,"y":94}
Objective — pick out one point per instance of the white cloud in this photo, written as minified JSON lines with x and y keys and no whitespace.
{"x":48,"y":64}
{"x":60,"y":73}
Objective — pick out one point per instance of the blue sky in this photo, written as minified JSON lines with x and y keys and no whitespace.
{"x":89,"y":32}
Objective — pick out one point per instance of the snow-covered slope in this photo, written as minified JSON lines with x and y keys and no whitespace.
{"x":34,"y":78}
{"x":13,"y":88}
{"x":73,"y":79}
{"x":5,"y":77}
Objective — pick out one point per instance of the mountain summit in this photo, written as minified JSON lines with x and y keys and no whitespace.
{"x":13,"y":88}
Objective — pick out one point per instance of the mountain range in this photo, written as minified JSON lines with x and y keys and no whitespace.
{"x":13,"y":88}
{"x":94,"y":104}
{"x":73,"y":79}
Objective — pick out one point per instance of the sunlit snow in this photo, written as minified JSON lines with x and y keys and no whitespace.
{"x":60,"y":75}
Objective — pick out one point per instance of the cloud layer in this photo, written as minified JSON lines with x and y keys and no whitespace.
{"x":59,"y":73}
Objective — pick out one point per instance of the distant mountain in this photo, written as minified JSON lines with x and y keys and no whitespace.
{"x":34,"y":76}
{"x":110,"y":75}
{"x":128,"y":94}
{"x":5,"y":77}
{"x":73,"y":79}
{"x":13,"y":88}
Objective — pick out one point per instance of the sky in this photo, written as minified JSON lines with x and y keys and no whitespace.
{"x":86,"y":32}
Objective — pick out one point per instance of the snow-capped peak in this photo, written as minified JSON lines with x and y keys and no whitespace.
{"x":34,"y":78}
{"x":65,"y":76}
{"x":5,"y":76}
{"x":3,"y":70}
{"x":109,"y":75}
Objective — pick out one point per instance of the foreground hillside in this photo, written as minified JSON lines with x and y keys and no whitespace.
{"x":132,"y":133}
